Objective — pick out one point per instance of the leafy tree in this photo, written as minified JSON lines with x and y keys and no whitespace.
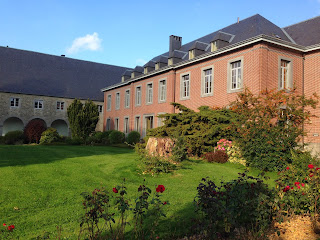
{"x":270,"y":125}
{"x":83,"y":118}
{"x":34,"y":129}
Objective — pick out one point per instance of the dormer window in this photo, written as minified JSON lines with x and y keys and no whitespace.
{"x":157,"y":66}
{"x":191,"y":54}
{"x":132,"y":75}
{"x":214,"y":46}
{"x":145,"y":70}
{"x":122,"y":79}
{"x":170,"y":61}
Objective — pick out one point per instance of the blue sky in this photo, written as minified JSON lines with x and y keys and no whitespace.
{"x":129,"y":33}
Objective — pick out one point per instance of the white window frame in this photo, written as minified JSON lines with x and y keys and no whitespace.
{"x":145,"y":116}
{"x":108,"y":124}
{"x":60,"y":106}
{"x":100,"y":108}
{"x":289,"y":83}
{"x":160,"y":120}
{"x":117,"y":100}
{"x":109,"y":97}
{"x":206,"y":78}
{"x":126,"y":125}
{"x":127,"y":98}
{"x":149,"y":93}
{"x":185,"y":86}
{"x":15,"y":101}
{"x":162,"y":90}
{"x":38,"y":104}
{"x":138,"y":96}
{"x":239,"y":83}
{"x":117,"y":124}
{"x":137,"y":123}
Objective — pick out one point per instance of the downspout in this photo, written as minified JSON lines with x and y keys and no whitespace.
{"x":174,"y":88}
{"x":303,"y":59}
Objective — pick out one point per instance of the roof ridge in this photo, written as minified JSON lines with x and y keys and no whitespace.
{"x":47,"y":54}
{"x":302,"y":21}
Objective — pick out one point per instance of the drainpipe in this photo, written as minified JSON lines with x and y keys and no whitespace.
{"x":174,"y":88}
{"x":303,"y":59}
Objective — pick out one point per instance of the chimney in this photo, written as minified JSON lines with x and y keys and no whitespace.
{"x":238,"y":19}
{"x":63,"y":55}
{"x":174,"y":43}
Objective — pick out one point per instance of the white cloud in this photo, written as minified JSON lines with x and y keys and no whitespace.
{"x":89,"y":42}
{"x":140,"y":62}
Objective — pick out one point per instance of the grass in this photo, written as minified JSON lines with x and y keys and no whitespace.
{"x":40,"y":186}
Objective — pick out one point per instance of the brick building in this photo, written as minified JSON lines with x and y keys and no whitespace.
{"x":211,"y":70}
{"x":41,"y":86}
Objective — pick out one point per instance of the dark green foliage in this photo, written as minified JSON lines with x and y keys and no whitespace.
{"x":244,"y":203}
{"x":99,"y":138}
{"x":133,"y":137}
{"x":200,"y":130}
{"x":116,"y":137}
{"x":14,"y":137}
{"x":74,"y":141}
{"x":179,"y":151}
{"x":83,"y":118}
{"x":50,"y":135}
{"x":1,"y":139}
{"x":218,"y":156}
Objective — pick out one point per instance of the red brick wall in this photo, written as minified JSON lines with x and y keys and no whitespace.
{"x":260,"y":71}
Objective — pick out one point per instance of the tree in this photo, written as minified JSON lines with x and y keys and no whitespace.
{"x":82,"y":118}
{"x":270,"y":125}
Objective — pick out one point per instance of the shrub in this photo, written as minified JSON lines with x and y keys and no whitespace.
{"x":1,"y":139}
{"x":49,"y":136}
{"x":74,"y":141}
{"x":218,"y":156}
{"x":243,"y":203}
{"x":116,"y":137}
{"x":101,"y":138}
{"x":14,"y":137}
{"x":269,"y":125}
{"x":33,"y":130}
{"x":200,"y":130}
{"x":133,"y":137}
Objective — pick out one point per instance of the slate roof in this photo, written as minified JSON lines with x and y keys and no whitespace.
{"x":245,"y":29}
{"x":35,"y":73}
{"x":305,"y":33}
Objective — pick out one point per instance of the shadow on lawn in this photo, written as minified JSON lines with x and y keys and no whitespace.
{"x":22,"y":155}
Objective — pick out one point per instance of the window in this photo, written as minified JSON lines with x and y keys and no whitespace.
{"x":109,"y":103}
{"x":137,"y":123}
{"x":235,"y":75}
{"x":38,"y":104}
{"x":60,"y":106}
{"x":138,"y":96}
{"x":185,"y":86}
{"x":14,"y":102}
{"x":285,"y":74}
{"x":207,"y":82}
{"x":147,"y":123}
{"x":100,"y":108}
{"x":149,"y":93}
{"x":117,"y":100}
{"x":108,"y":124}
{"x":116,"y":124}
{"x":127,"y":99}
{"x":126,"y":125}
{"x":160,"y":120}
{"x":162,"y":90}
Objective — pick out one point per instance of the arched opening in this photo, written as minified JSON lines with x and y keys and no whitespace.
{"x":61,"y":126}
{"x":12,"y":124}
{"x":34,"y":129}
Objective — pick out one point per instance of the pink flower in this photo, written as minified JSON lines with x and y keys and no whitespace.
{"x":223,"y":149}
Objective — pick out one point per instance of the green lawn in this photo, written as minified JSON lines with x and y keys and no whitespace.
{"x":40,"y":186}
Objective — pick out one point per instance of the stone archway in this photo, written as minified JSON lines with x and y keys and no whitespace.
{"x":61,"y":126}
{"x":12,"y":124}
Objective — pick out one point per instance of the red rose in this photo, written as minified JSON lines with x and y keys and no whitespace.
{"x":11,"y":227}
{"x":115,"y":190}
{"x":317,"y":168}
{"x":298,"y":186}
{"x":287,"y":168}
{"x":310,"y":166}
{"x":302,"y":184}
{"x":286,"y":189}
{"x":311,"y":175}
{"x":4,"y":224}
{"x":303,"y":193}
{"x":296,"y":183}
{"x":164,"y":203}
{"x":252,"y":185}
{"x":291,"y":187}
{"x":160,"y":188}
